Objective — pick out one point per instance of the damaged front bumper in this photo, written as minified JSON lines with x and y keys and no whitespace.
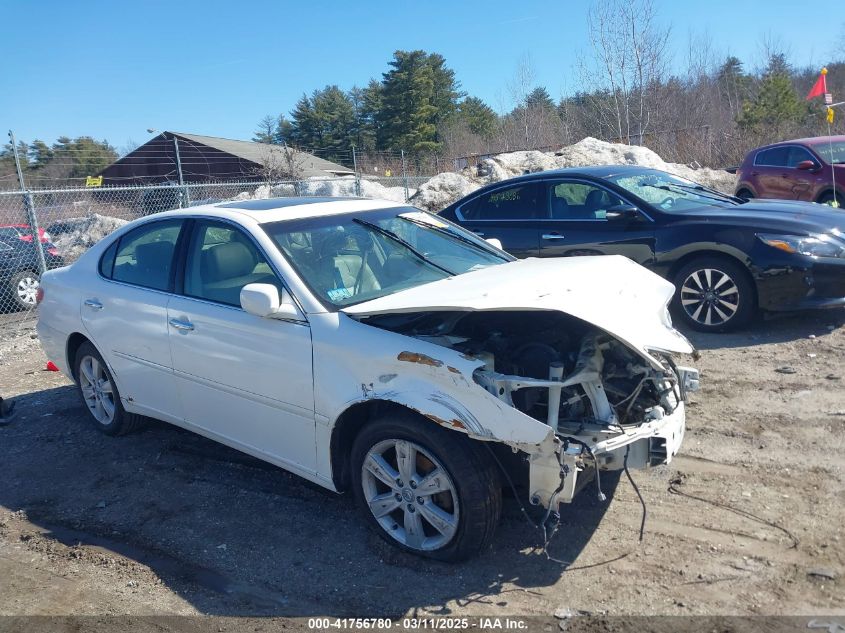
{"x":558,"y":469}
{"x":609,"y":438}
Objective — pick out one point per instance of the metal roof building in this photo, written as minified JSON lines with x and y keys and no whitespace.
{"x":209,"y":158}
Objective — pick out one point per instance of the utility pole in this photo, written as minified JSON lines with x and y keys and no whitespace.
{"x":357,"y":177}
{"x":185,"y":198}
{"x":29,"y":206}
{"x":404,"y":176}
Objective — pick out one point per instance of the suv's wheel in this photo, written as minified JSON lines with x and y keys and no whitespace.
{"x":714,"y":295}
{"x":100,"y":395}
{"x":430,"y":491}
{"x":828,"y":199}
{"x":24,"y":286}
{"x":745,"y":194}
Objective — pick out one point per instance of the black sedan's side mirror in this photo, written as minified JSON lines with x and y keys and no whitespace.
{"x":807,"y":165}
{"x":624,"y":212}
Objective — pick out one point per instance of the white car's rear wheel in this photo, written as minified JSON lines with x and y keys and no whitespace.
{"x":427,"y":490}
{"x":97,"y":389}
{"x":100,"y":395}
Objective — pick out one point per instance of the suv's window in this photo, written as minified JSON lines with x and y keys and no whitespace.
{"x":524,"y":201}
{"x":145,"y":255}
{"x":579,"y":201}
{"x":798,"y":154}
{"x":221,"y":261}
{"x":774,"y":157}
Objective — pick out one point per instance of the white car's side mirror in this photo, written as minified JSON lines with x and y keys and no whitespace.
{"x":495,"y":242}
{"x":263,"y":301}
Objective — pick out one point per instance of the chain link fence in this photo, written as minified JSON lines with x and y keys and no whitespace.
{"x":68,"y":221}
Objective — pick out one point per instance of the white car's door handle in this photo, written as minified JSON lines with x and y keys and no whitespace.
{"x":93,"y":304}
{"x":186,"y":326}
{"x":553,"y":236}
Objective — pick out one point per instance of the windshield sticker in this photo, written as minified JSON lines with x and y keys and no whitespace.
{"x":339,"y":294}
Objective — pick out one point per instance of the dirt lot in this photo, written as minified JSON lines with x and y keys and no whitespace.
{"x":748,"y":520}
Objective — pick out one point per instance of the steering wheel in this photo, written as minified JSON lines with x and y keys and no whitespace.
{"x":667,"y":202}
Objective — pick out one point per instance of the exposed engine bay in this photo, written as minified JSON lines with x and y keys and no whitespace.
{"x":553,"y":367}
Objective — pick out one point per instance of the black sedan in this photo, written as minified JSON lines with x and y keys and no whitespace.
{"x":728,"y":258}
{"x":19,"y":277}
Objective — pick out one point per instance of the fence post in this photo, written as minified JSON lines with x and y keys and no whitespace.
{"x":185,"y":198}
{"x":29,"y":206}
{"x":404,"y":176}
{"x":357,"y":177}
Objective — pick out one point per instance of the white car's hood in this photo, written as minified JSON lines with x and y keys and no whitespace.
{"x":611,"y":292}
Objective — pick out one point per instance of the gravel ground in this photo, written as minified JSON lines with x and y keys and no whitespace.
{"x":746,"y":521}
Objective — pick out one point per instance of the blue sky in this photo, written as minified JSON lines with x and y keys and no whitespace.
{"x":113,"y":69}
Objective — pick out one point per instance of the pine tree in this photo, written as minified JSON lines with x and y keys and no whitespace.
{"x":85,"y":155}
{"x":478,"y":116}
{"x":539,"y":98}
{"x":734,"y":84}
{"x":304,"y":125}
{"x":777,"y":102}
{"x":266,"y":132}
{"x":417,"y":92}
{"x":363,"y":132}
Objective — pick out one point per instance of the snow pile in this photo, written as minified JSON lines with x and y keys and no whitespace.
{"x":345,"y":187}
{"x":591,"y":151}
{"x":80,"y":234}
{"x":442,"y":190}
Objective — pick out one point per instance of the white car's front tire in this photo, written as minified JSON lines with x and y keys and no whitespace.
{"x":427,"y":490}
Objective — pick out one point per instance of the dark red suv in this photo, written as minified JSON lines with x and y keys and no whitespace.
{"x":803,"y":169}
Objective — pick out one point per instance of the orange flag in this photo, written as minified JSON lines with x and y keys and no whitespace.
{"x":820,"y":87}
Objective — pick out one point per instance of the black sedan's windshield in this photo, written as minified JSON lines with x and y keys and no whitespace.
{"x":354,"y":257}
{"x":670,"y":193}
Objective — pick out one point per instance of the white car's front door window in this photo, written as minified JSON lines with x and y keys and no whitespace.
{"x":244,"y":379}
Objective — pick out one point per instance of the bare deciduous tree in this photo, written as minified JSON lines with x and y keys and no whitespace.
{"x":282,"y":163}
{"x":629,"y":59}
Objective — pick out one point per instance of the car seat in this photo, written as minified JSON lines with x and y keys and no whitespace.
{"x":560,"y":208}
{"x":226,"y":268}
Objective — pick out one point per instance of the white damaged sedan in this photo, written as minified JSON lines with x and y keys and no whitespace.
{"x":377,"y":349}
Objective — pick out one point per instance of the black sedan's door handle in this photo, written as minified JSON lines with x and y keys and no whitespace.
{"x":553,"y":236}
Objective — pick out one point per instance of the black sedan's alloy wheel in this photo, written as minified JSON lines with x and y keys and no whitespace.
{"x":710,"y":296}
{"x":714,"y":295}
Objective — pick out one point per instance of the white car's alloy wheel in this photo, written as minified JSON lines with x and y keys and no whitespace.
{"x":410,"y":494}
{"x":97,"y":389}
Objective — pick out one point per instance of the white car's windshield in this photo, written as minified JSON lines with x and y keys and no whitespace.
{"x":354,"y":257}
{"x":670,"y":193}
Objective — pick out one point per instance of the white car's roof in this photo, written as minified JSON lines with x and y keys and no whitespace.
{"x":275,"y":209}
